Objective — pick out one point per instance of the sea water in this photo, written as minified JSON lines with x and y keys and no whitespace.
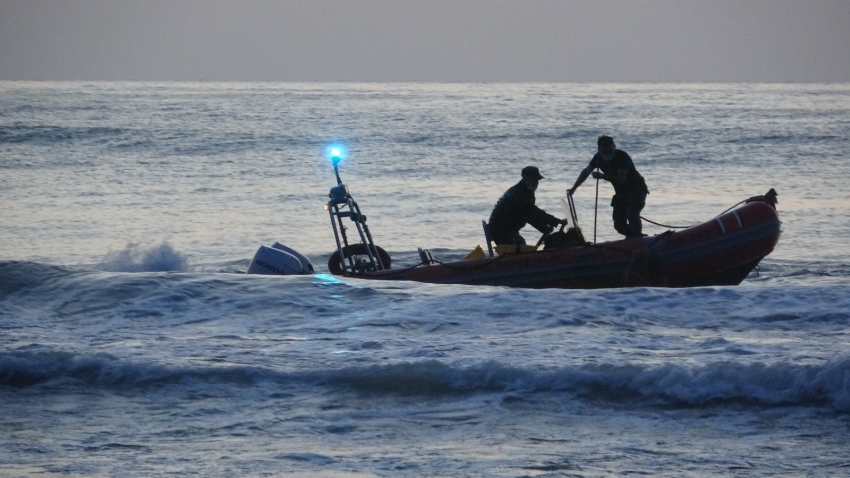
{"x":133,"y":344}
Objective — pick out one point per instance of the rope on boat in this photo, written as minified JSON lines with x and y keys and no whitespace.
{"x":733,"y":207}
{"x":692,"y":225}
{"x":666,"y":225}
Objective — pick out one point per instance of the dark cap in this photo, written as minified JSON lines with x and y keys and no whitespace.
{"x":604,"y":141}
{"x":531,"y":172}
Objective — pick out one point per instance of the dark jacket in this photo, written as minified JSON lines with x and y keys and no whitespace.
{"x":635,"y":184}
{"x":516,"y":208}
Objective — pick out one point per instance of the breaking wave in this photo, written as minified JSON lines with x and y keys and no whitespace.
{"x":136,"y":258}
{"x":721,"y":383}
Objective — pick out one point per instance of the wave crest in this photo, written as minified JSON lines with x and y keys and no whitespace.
{"x":722,"y":382}
{"x":136,"y":258}
{"x":17,"y":275}
{"x":757,"y":384}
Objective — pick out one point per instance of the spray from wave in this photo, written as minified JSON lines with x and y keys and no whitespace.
{"x":137,"y":258}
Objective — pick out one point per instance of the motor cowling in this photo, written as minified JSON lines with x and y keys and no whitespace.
{"x":306,"y":265}
{"x":279,"y":260}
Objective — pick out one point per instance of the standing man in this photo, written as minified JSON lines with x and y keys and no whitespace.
{"x":629,"y":186}
{"x":516,"y":208}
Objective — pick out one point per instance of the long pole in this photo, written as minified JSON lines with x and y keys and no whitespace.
{"x":336,"y":171}
{"x":595,"y":210}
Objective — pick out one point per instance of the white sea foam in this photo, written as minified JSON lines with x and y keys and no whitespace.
{"x":138,"y":258}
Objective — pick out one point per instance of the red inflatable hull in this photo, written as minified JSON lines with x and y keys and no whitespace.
{"x":722,"y":251}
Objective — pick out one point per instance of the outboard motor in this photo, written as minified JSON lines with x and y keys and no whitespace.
{"x":279,"y":260}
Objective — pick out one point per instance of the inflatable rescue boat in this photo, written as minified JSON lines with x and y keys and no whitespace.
{"x":721,"y":251}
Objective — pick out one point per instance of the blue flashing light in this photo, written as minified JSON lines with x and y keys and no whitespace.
{"x":336,"y":153}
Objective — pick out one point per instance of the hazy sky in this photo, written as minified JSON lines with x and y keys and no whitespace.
{"x":426,"y":40}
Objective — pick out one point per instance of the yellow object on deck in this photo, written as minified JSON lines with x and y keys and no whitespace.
{"x":507,"y":249}
{"x":477,"y":253}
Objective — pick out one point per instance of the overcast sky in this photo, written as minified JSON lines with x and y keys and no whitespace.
{"x":427,"y":40}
